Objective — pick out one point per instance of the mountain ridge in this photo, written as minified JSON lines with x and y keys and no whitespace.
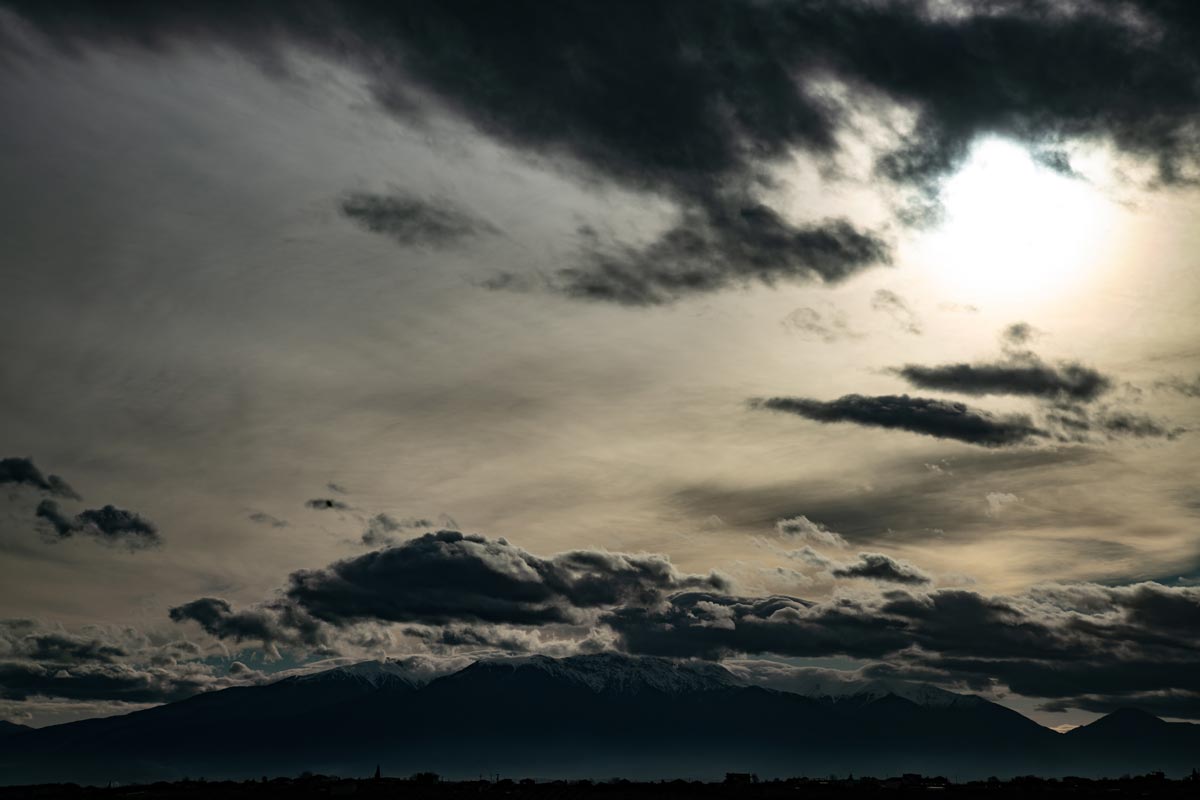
{"x":580,"y":716}
{"x":12,"y":728}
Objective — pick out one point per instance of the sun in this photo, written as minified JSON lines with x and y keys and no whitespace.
{"x":1014,"y":228}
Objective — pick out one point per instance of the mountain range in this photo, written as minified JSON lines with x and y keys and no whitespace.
{"x":593,"y":716}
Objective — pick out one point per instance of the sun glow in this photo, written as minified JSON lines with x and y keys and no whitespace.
{"x":1014,"y":228}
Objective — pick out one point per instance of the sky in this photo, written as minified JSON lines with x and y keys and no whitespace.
{"x":794,"y":335}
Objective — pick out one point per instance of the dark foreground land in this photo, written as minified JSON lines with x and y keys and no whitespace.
{"x":738,"y":786}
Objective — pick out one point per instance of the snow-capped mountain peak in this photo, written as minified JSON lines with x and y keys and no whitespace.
{"x":376,"y":674}
{"x":839,"y":686}
{"x":824,"y":687}
{"x":613,"y":672}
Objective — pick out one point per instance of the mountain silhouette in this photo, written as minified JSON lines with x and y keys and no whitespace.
{"x":10,"y":728}
{"x":1139,"y":741}
{"x":591,"y":716}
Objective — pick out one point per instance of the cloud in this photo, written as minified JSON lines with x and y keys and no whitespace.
{"x":23,"y":472}
{"x":1058,"y":642}
{"x":1167,"y":703}
{"x":29,"y":639}
{"x":727,"y":79}
{"x":1057,"y":160}
{"x":707,"y":625}
{"x":486,"y":639}
{"x":892,"y":304}
{"x":325,"y":503}
{"x":108,"y":524}
{"x":943,"y":419}
{"x":1019,"y":334}
{"x":869,"y":566}
{"x":263,"y":518}
{"x":717,"y":249}
{"x":1075,"y":423}
{"x":445,"y":578}
{"x":878,"y":567}
{"x":1180,"y":385}
{"x":271,"y":624}
{"x":448,"y":576}
{"x":411,"y":221}
{"x":98,"y":664}
{"x":474,"y":636}
{"x":803,"y":529}
{"x":1066,"y":390}
{"x":42,"y":711}
{"x":1027,"y":376}
{"x":1054,"y":642}
{"x":699,"y":104}
{"x":21,"y":680}
{"x":811,"y":324}
{"x":998,"y":501}
{"x":811,"y":557}
{"x":381,"y":528}
{"x":1078,"y":645}
{"x":1118,"y":422}
{"x":902,"y":500}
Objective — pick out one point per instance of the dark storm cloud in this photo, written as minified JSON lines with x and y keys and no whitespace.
{"x":1069,"y":391}
{"x":719,"y":249}
{"x":707,"y":625}
{"x":697,"y":103}
{"x":23,"y":472}
{"x":108,"y":524}
{"x":892,"y":304}
{"x":1027,"y":376}
{"x":1011,"y":77}
{"x":1018,"y":334}
{"x":955,"y":622}
{"x":448,"y":576}
{"x":216,"y":616}
{"x":28,"y":639}
{"x":1073,"y":422}
{"x":58,"y":646}
{"x":1071,"y":642}
{"x":1075,"y":645}
{"x":325,"y":503}
{"x":410,"y":220}
{"x":943,"y":419}
{"x":712,"y":625}
{"x":274,"y":623}
{"x":1081,"y":645}
{"x":1170,"y":703}
{"x":21,"y":680}
{"x":99,"y":664}
{"x":878,"y":567}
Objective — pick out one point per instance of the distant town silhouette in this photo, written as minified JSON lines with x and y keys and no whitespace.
{"x":735,"y":785}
